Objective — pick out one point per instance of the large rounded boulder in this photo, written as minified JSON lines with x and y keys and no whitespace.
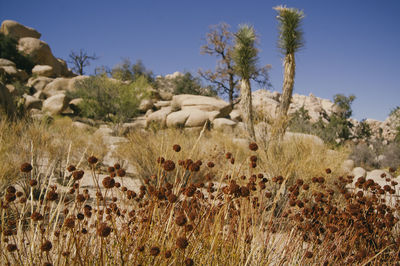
{"x":17,"y":31}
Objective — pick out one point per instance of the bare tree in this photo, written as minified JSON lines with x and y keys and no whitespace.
{"x":80,"y":60}
{"x":220,"y":43}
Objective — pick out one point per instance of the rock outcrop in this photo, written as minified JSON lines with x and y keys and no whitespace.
{"x":17,"y":31}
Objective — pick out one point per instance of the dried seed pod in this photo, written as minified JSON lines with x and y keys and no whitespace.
{"x":154,"y":251}
{"x":92,"y":160}
{"x":181,"y":242}
{"x":253,"y":146}
{"x":46,"y":246}
{"x":103,"y":230}
{"x":26,"y":167}
{"x":169,"y":166}
{"x":176,"y":148}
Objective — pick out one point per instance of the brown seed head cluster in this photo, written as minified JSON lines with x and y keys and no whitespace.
{"x":26,"y":167}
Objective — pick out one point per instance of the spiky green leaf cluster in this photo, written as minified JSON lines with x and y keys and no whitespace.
{"x":245,"y":52}
{"x":290,"y":33}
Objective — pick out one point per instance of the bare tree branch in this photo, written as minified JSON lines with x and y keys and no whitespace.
{"x":80,"y":60}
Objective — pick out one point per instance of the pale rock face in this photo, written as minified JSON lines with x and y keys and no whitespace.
{"x":159,"y":117}
{"x":74,"y":105}
{"x":62,"y":85}
{"x":41,"y":54}
{"x":55,"y":104}
{"x":359,"y":172}
{"x":203,"y":103}
{"x":267,"y":102}
{"x":43,"y":70}
{"x":235,"y":115}
{"x":15,"y":73}
{"x":32,"y":102}
{"x":39,"y":83}
{"x":16,"y":30}
{"x":6,"y":62}
{"x":145,"y":105}
{"x":187,"y":118}
{"x":224,"y":124}
{"x":348,"y":166}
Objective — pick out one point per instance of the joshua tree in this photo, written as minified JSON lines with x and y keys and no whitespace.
{"x":290,"y":41}
{"x":219,"y":42}
{"x":245,"y":58}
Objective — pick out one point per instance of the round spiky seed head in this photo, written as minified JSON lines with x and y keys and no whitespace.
{"x":176,"y":148}
{"x":108,"y":182}
{"x":210,"y":164}
{"x":309,"y":254}
{"x":10,"y":197}
{"x":11,"y":247}
{"x":172,"y":198}
{"x":46,"y":246}
{"x":169,"y":165}
{"x":189,"y":262}
{"x":253,"y":146}
{"x":78,"y":174}
{"x":11,"y":190}
{"x":69,"y":222}
{"x":121,"y":173}
{"x":32,"y":182}
{"x":154,"y":251}
{"x":228,"y":155}
{"x":103,"y":230}
{"x":51,"y":195}
{"x":328,"y":170}
{"x":36,"y":216}
{"x":92,"y":160}
{"x":111,"y":169}
{"x":181,"y":220}
{"x":117,"y":166}
{"x":244,"y":191}
{"x":26,"y":167}
{"x":160,"y":160}
{"x":71,"y":168}
{"x":168,"y":254}
{"x":181,"y":242}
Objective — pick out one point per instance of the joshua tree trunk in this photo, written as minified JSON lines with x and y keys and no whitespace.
{"x":288,"y":83}
{"x":246,"y":108}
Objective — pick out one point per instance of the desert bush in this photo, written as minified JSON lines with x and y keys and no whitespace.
{"x":110,"y":100}
{"x":8,"y":50}
{"x":300,"y":122}
{"x":391,"y":156}
{"x":126,"y":71}
{"x":362,"y":131}
{"x":187,"y":84}
{"x":364,"y":156}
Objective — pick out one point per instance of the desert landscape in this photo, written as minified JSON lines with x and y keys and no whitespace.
{"x":218,"y":167}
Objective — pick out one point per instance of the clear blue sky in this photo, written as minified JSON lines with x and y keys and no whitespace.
{"x":352,"y":46}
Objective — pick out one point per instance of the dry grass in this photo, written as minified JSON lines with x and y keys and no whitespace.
{"x":42,"y":145}
{"x":190,"y":211}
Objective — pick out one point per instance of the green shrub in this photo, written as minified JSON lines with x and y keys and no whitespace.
{"x":8,"y":50}
{"x":110,"y":100}
{"x":300,"y":122}
{"x":187,"y":84}
{"x":126,"y":71}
